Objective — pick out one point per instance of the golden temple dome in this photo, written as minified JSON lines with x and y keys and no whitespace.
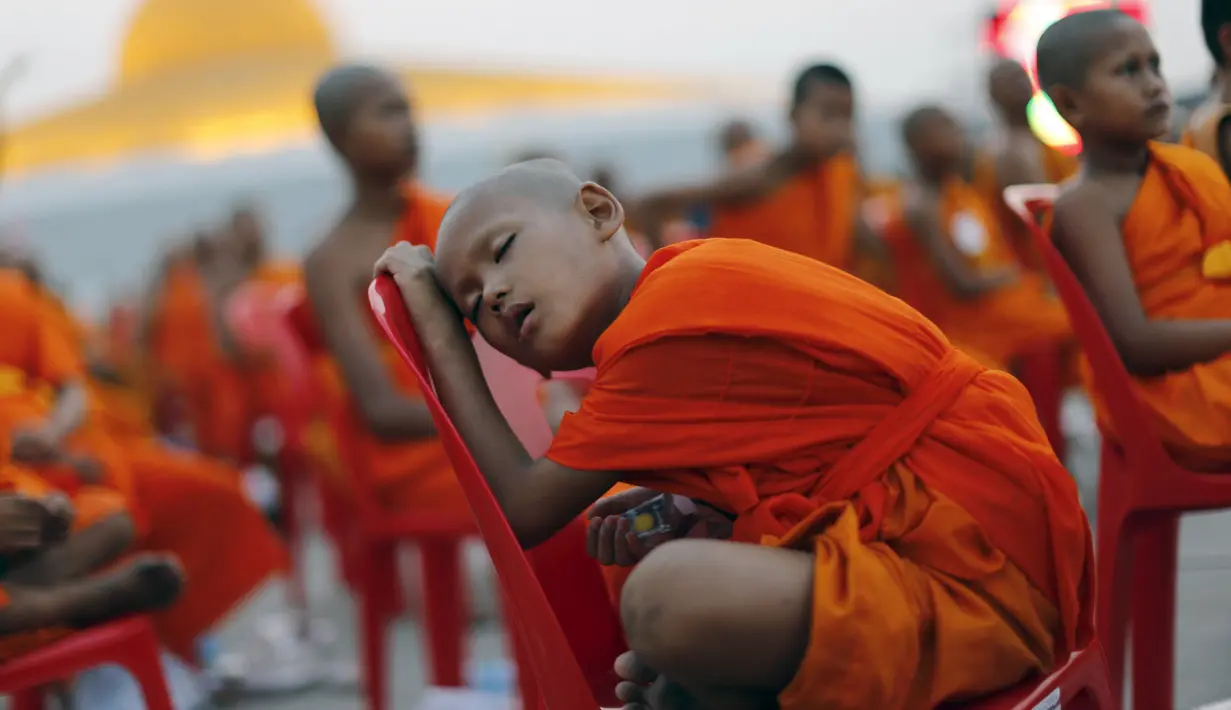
{"x":172,"y":36}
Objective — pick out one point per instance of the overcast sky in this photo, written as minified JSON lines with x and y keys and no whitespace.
{"x":900,"y":50}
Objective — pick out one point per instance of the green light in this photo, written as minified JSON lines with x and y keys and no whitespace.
{"x":1047,"y":124}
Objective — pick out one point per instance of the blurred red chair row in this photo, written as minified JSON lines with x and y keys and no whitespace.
{"x":1142,"y":492}
{"x":129,"y":643}
{"x":561,"y":656}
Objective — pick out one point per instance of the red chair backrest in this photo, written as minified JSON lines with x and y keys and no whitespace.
{"x":1132,"y":421}
{"x":560,"y":678}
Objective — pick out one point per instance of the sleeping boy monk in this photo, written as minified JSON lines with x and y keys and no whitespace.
{"x":912,"y":537}
{"x":972,"y":284}
{"x":1209,"y":126}
{"x":1146,"y":229}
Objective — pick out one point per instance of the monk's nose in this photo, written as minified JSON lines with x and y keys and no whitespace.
{"x":495,"y":299}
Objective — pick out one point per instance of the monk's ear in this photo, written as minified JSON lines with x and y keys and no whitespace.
{"x":604,"y":211}
{"x":1067,"y":104}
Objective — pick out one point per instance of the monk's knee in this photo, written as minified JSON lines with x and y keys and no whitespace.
{"x":660,"y":624}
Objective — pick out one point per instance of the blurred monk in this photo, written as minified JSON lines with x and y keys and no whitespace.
{"x":1209,"y":126}
{"x":366,"y":116}
{"x":740,"y":146}
{"x":1147,"y":230}
{"x":172,"y":495}
{"x":969,"y":281}
{"x":1016,"y":156}
{"x":241,"y":386}
{"x":59,"y":564}
{"x":805,"y":199}
{"x":910,"y":538}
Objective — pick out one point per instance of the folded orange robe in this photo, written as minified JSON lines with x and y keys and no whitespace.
{"x":813,"y":214}
{"x":1174,"y":234}
{"x":414,"y":475}
{"x":91,"y":505}
{"x":180,"y":497}
{"x":1057,"y":166}
{"x":830,"y":417}
{"x":996,"y":327}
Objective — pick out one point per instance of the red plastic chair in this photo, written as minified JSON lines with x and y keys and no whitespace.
{"x":130,"y":643}
{"x":1080,"y":684}
{"x":1142,"y":492}
{"x":253,"y":314}
{"x":1082,"y":681}
{"x":580,"y":595}
{"x":373,"y":533}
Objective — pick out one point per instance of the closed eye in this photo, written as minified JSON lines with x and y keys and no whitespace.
{"x":504,"y":247}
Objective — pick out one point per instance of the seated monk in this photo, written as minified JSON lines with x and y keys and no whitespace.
{"x":241,"y":387}
{"x":1209,"y":126}
{"x":175,"y":328}
{"x":1016,"y":156}
{"x":172,"y":496}
{"x":61,"y":567}
{"x":366,"y":116}
{"x":975,"y":290}
{"x":804,"y":199}
{"x":1146,"y":228}
{"x":910,"y":536}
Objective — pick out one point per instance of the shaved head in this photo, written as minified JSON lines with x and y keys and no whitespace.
{"x":1067,"y":48}
{"x":538,"y":260}
{"x":1009,"y":86}
{"x":337,"y":95}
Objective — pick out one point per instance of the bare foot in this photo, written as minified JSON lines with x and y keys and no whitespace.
{"x":643,"y":688}
{"x":147,"y":583}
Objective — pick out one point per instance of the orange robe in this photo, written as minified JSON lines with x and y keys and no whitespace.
{"x":996,"y":327}
{"x":829,"y":417}
{"x":90,"y":505}
{"x":234,"y":398}
{"x":812,"y":214}
{"x":409,"y":476}
{"x":1057,"y":166}
{"x":1182,"y":211}
{"x":179,"y":497}
{"x":182,"y":337}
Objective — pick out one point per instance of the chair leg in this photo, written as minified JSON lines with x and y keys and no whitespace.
{"x":444,"y":609}
{"x":528,"y":688}
{"x":378,"y":586}
{"x":288,"y":471}
{"x":143,"y":661}
{"x":1114,"y":564}
{"x":1153,"y":625}
{"x":1041,"y":374}
{"x":28,"y":699}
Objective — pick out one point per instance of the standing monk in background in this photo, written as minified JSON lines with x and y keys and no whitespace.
{"x":1209,"y":127}
{"x":806,"y":198}
{"x":366,"y":116}
{"x":1016,"y":157}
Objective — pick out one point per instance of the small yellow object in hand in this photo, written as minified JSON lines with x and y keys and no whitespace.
{"x":643,"y":523}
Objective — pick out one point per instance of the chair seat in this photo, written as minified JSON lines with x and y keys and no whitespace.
{"x":80,"y":651}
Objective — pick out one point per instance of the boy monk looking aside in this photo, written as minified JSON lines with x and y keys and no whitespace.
{"x":897,"y":556}
{"x":1145,"y":228}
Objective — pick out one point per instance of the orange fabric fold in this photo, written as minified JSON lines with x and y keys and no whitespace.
{"x":405,"y":476}
{"x":1057,"y":167}
{"x":812,"y":214}
{"x":775,"y":406}
{"x":1182,"y":208}
{"x":996,"y":327}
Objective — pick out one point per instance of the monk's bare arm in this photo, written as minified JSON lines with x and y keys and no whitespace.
{"x":560,"y":397}
{"x":69,"y":411}
{"x":219,"y":288}
{"x":1087,"y":233}
{"x":738,"y":187}
{"x":386,"y":412}
{"x":538,"y":498}
{"x":923,"y":218}
{"x":1015,"y":168}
